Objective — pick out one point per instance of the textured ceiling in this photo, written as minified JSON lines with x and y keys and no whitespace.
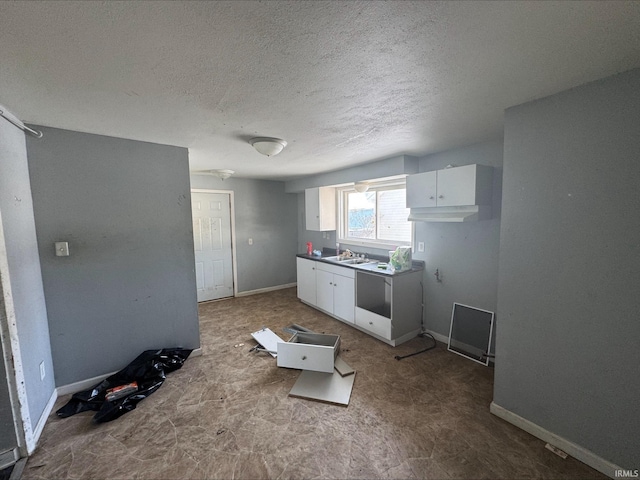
{"x":344,"y":82}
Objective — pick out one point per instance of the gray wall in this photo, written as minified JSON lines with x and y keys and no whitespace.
{"x":568,"y":304}
{"x":389,"y":167}
{"x":16,"y":209}
{"x":465,"y":254}
{"x":129,"y":284}
{"x":265,"y":213}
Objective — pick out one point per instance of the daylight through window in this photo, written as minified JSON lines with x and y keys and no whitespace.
{"x":377,"y":216}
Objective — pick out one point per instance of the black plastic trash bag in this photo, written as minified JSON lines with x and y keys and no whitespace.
{"x":148,"y":370}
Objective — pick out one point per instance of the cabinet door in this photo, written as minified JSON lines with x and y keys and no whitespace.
{"x":312,"y":208}
{"x":320,"y":208}
{"x":344,"y":298}
{"x":421,"y":190}
{"x":324,"y":291}
{"x":306,"y":280}
{"x":457,"y":186}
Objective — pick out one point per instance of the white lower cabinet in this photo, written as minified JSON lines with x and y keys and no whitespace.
{"x":374,"y":323}
{"x":306,"y":280}
{"x":388,"y":307}
{"x":335,"y":290}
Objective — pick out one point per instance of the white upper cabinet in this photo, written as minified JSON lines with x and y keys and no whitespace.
{"x":422,"y":190}
{"x":451,"y":187}
{"x":320,"y":208}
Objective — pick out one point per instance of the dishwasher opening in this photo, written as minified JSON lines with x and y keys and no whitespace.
{"x":373,"y":293}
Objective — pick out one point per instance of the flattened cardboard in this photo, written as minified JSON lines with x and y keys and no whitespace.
{"x":342,"y":367}
{"x":324,"y":387}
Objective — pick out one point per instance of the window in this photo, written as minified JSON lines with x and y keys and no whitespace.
{"x":375,"y":218}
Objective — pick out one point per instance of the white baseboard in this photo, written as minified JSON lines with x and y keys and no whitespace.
{"x":265,"y":290}
{"x":42,"y":421}
{"x":576,"y":451}
{"x":438,"y":337}
{"x":90,"y":382}
{"x":82,"y":384}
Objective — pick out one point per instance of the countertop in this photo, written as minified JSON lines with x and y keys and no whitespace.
{"x":417,"y":265}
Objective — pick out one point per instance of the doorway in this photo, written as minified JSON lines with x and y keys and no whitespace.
{"x":213,"y":239}
{"x":9,"y":449}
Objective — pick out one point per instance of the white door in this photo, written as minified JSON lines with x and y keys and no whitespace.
{"x":212,"y":241}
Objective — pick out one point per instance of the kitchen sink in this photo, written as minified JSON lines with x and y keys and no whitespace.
{"x":350,"y":260}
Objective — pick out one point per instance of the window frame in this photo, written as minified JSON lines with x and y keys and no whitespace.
{"x":342,"y":212}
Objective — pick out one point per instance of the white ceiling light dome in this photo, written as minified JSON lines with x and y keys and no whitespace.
{"x":361,"y":187}
{"x":268,"y":146}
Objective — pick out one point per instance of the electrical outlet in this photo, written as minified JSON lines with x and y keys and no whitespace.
{"x":421,"y":246}
{"x":42,"y":371}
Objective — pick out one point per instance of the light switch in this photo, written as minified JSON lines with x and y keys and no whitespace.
{"x":421,"y":246}
{"x":250,"y":241}
{"x":62,"y":249}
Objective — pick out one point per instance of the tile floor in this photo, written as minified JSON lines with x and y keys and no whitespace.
{"x":226,"y":415}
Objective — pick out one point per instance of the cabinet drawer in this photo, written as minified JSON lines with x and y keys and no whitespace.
{"x":373,"y":323}
{"x":344,"y":271}
{"x":309,"y":351}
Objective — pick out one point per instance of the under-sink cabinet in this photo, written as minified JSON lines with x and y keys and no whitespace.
{"x":335,"y":291}
{"x":387,"y":307}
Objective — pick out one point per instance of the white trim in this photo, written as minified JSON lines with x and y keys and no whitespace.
{"x":576,"y":451}
{"x":90,"y":382}
{"x":43,"y":418}
{"x":232,"y":203}
{"x":439,"y":337}
{"x":265,"y":290}
{"x":82,"y":384}
{"x":16,"y":381}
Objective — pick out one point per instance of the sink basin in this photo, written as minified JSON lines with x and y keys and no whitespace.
{"x":350,"y":260}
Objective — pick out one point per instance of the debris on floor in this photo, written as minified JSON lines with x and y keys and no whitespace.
{"x":325,"y":376}
{"x":342,"y":367}
{"x":325,"y":387}
{"x":267,"y":340}
{"x":557,"y":451}
{"x":148,"y":372}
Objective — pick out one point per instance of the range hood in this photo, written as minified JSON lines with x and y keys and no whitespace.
{"x":471,"y":213}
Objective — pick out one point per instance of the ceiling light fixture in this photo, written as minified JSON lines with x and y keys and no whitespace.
{"x":361,"y":187}
{"x":222,"y":174}
{"x":267,"y":145}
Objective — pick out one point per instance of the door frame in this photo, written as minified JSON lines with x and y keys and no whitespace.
{"x":232,"y":212}
{"x":10,"y":356}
